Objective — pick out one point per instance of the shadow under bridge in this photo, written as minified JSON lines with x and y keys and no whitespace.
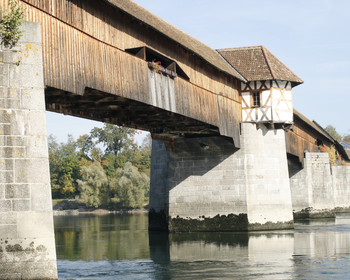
{"x":110,"y":108}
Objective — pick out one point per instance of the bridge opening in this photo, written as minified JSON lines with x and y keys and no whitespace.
{"x":171,"y":129}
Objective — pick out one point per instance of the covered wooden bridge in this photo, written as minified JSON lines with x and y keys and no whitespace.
{"x":114,"y":61}
{"x":222,"y":122}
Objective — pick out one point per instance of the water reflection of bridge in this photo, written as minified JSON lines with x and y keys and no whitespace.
{"x":312,"y":249}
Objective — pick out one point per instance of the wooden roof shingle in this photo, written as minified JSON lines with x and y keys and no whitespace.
{"x":258,"y":64}
{"x":316,"y":127}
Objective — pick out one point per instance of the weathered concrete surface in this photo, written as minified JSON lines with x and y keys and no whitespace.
{"x":206,"y":184}
{"x":319,"y":190}
{"x":341,"y":185}
{"x":27,"y":246}
{"x":193,"y":184}
{"x":268,"y":190}
{"x":312,"y":187}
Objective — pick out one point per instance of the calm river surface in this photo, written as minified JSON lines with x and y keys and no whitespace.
{"x":120,"y":247}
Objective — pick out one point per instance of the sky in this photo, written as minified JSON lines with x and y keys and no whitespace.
{"x":312,"y":37}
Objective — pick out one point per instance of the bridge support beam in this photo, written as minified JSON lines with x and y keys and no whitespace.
{"x":206,"y":184}
{"x":27,"y":245}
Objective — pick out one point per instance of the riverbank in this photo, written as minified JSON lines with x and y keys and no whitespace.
{"x":70,"y":207}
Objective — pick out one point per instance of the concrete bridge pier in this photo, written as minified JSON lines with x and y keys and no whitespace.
{"x":27,"y":245}
{"x":206,"y":184}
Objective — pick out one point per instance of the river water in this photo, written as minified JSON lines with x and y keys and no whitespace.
{"x":120,"y":247}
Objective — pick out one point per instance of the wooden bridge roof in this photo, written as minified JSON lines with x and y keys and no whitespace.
{"x":258,"y":63}
{"x":305,"y":135}
{"x":175,"y":34}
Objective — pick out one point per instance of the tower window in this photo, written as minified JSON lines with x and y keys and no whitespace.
{"x":256,"y":99}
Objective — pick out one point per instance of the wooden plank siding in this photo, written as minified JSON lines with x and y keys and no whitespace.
{"x":111,"y":26}
{"x":304,"y":137}
{"x":84,"y":46}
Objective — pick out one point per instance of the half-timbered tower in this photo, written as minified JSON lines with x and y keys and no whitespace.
{"x":267,"y":95}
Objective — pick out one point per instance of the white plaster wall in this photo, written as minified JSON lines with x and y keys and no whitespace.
{"x":282,"y":105}
{"x":246,"y":97}
{"x":265,"y":98}
{"x":281,"y":84}
{"x":246,"y":116}
{"x":276,"y":102}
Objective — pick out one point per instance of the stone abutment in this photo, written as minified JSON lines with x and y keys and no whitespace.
{"x":27,"y":245}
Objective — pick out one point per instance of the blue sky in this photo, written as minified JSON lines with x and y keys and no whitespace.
{"x":312,"y":37}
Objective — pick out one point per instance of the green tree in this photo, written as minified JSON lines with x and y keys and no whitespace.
{"x":333,"y":132}
{"x":114,"y":138}
{"x":117,"y":141}
{"x":109,"y":163}
{"x":87,"y":148}
{"x":130,"y":188}
{"x":64,"y":167}
{"x":85,"y":145}
{"x":93,"y":185}
{"x":141,"y":158}
{"x":114,"y":175}
{"x":138,"y":156}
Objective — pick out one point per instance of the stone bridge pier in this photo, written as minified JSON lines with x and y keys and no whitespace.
{"x":318,"y":189}
{"x":206,"y":184}
{"x":27,"y":245}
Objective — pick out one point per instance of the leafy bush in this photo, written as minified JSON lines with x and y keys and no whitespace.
{"x":10,"y":23}
{"x":130,"y":187}
{"x":93,"y":185}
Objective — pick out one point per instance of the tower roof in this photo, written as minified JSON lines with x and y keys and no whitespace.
{"x":258,"y":63}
